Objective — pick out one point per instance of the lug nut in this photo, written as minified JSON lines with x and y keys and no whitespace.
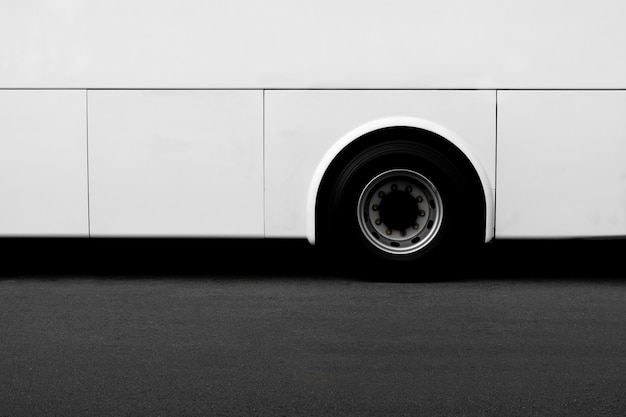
{"x":422,"y":213}
{"x":408,"y":189}
{"x":388,"y":231}
{"x":394,"y":187}
{"x":402,"y":233}
{"x":375,"y":207}
{"x":378,"y":222}
{"x":419,"y":199}
{"x":416,"y":226}
{"x":381,"y":194}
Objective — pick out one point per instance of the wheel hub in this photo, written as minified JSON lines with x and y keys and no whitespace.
{"x":398,"y":210}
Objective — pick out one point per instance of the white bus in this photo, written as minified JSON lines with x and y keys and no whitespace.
{"x":398,"y":129}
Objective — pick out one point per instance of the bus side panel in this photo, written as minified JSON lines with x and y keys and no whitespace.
{"x":302,"y":125}
{"x":43,"y":163}
{"x":172,"y":163}
{"x":561,"y":164}
{"x":392,"y":44}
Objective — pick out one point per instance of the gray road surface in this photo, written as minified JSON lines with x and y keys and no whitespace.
{"x":530,"y":329}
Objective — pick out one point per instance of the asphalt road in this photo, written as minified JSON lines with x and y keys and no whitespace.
{"x":139,"y":328}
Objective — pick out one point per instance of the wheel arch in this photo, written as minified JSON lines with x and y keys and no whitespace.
{"x":356,"y":136}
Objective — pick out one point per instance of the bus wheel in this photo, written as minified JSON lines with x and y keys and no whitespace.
{"x":402,"y":200}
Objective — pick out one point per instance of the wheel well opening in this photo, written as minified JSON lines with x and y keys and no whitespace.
{"x":376,"y":137}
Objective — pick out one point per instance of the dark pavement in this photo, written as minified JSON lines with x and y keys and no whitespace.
{"x":138,"y":328}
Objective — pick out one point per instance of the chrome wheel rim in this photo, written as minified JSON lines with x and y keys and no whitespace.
{"x":400,"y":211}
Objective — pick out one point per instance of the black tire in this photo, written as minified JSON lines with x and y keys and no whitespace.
{"x":402,"y":200}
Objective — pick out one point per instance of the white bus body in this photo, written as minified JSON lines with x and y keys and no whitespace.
{"x":206,"y":118}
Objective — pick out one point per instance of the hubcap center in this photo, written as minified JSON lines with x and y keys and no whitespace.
{"x":398,"y":210}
